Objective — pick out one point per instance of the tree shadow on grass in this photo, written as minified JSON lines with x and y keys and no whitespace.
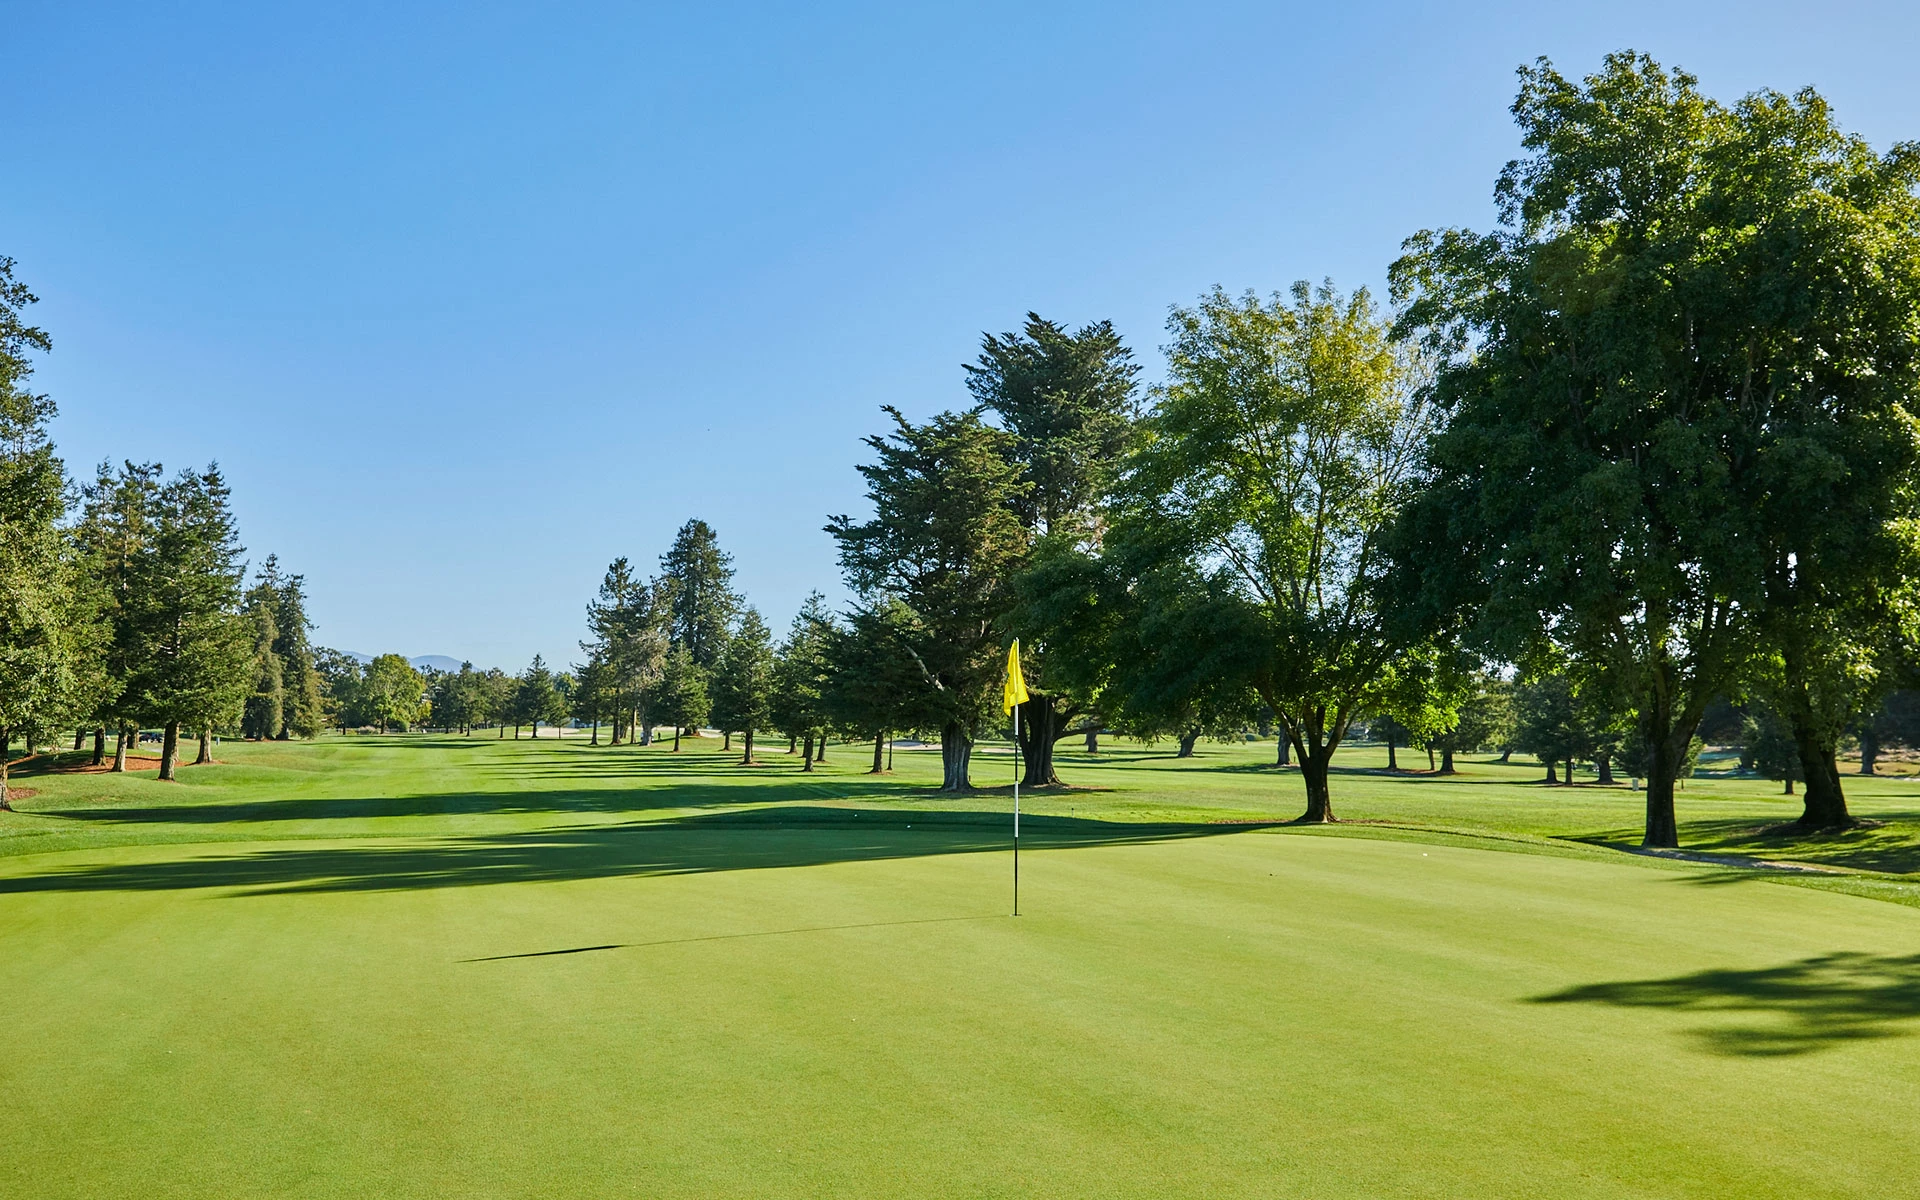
{"x":732,"y":840}
{"x":1813,"y":1004}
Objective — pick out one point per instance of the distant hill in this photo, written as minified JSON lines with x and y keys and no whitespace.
{"x":437,"y":662}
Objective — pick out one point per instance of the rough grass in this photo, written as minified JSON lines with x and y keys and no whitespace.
{"x":441,"y":967}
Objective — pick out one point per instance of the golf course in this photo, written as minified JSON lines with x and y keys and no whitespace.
{"x":418,"y":965}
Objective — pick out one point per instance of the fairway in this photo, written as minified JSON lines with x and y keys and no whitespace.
{"x":446,"y":967}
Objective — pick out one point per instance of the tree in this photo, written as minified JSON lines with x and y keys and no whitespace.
{"x":681,"y":696}
{"x":700,"y":599}
{"x":629,"y":621}
{"x":538,"y":698}
{"x":1548,"y":723}
{"x":944,"y":542}
{"x":263,"y":715}
{"x":196,"y":654}
{"x":743,"y":681}
{"x":40,"y":644}
{"x":873,"y":685}
{"x":341,"y":686}
{"x":391,"y":692}
{"x":1895,"y":721}
{"x":1276,"y":457}
{"x":1483,"y":717}
{"x":1688,"y":327}
{"x":1767,"y":743}
{"x":117,"y":521}
{"x":301,"y":713}
{"x":1069,"y":400}
{"x":801,"y":667}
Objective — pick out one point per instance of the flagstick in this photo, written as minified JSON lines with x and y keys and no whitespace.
{"x":1016,"y":810}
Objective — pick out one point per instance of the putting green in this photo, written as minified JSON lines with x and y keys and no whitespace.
{"x":579,"y":1001}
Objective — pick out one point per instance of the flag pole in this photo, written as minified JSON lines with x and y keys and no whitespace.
{"x":1016,"y":810}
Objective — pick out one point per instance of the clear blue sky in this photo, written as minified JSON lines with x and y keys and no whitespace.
{"x":470,"y":299}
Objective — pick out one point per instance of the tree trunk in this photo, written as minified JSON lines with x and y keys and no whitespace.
{"x":676,"y":739}
{"x":726,"y":739}
{"x":1506,"y":755}
{"x":79,"y":736}
{"x":169,"y":747}
{"x":793,"y":743}
{"x":1039,"y":733}
{"x":1553,"y":772}
{"x":1187,"y":740}
{"x":6,"y":752}
{"x":1824,"y":805}
{"x":595,"y":741}
{"x":820,"y":748}
{"x":1869,"y":747}
{"x":99,"y":744}
{"x":536,"y":729}
{"x":806,"y":762}
{"x":746,"y":741}
{"x":120,"y":748}
{"x":646,"y":735}
{"x":1569,"y":772}
{"x":1393,"y":763}
{"x":1284,"y":757}
{"x":1603,"y":768}
{"x":879,"y":748}
{"x":206,"y":749}
{"x":1093,"y":740}
{"x":1430,"y":766}
{"x":1446,"y":760}
{"x":956,"y":755}
{"x":1663,"y":768}
{"x":1313,"y":773}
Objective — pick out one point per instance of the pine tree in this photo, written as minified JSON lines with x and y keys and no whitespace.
{"x":39,"y":643}
{"x":743,"y":683}
{"x":800,"y":670}
{"x":196,"y":652}
{"x":699,"y":592}
{"x":681,"y":697}
{"x":116,"y":527}
{"x":537,"y":699}
{"x":263,"y":716}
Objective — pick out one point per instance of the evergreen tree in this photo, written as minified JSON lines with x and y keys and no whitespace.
{"x":629,"y":625}
{"x":40,"y":645}
{"x":301,"y":715}
{"x":873,"y":686}
{"x":1068,"y":399}
{"x":115,"y":528}
{"x":263,"y":716}
{"x":944,"y":542}
{"x":801,"y":666}
{"x":194,"y":669}
{"x":538,"y":698}
{"x":702,"y":604}
{"x":341,"y":685}
{"x":681,"y":696}
{"x":743,"y":682}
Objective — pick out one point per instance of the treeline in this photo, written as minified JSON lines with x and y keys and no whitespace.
{"x":123,"y":603}
{"x":1647,"y":447}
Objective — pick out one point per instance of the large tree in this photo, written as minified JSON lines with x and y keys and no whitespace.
{"x":700,"y":599}
{"x":117,"y":523}
{"x":873,"y":686}
{"x":1693,"y":326}
{"x":743,"y":682}
{"x":1285,"y":441}
{"x":39,"y":642}
{"x":944,"y":542}
{"x":801,"y":669}
{"x":391,"y":692}
{"x":1068,"y":398}
{"x":196,"y":653}
{"x":630,"y":621}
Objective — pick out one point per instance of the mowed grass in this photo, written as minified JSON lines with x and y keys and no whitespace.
{"x":429,"y":966}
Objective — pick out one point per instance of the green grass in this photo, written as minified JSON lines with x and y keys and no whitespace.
{"x":459,"y":967}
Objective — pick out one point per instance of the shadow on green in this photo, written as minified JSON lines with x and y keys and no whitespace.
{"x":733,"y":840}
{"x":1813,"y":1004}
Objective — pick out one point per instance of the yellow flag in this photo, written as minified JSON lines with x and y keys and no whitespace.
{"x":1016,"y":683}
